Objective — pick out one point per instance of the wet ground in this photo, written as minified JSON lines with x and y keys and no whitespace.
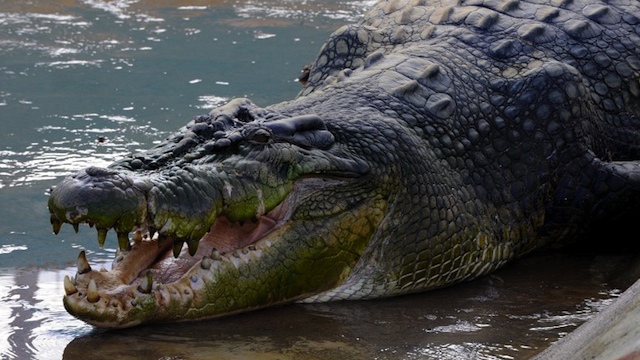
{"x":85,"y":82}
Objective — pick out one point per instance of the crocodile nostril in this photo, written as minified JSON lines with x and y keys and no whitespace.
{"x":95,"y":171}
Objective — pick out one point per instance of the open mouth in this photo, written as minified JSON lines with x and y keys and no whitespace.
{"x":224,"y":239}
{"x":156,"y":264}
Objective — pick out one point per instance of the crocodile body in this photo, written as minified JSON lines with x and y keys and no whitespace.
{"x":432,"y":143}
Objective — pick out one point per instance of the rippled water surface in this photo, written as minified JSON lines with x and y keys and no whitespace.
{"x":85,"y":82}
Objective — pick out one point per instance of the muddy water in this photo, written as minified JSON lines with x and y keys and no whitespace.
{"x":85,"y":82}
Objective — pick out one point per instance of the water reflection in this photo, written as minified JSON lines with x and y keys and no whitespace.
{"x":34,"y":326}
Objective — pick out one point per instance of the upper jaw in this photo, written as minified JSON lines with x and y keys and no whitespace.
{"x":142,"y":204}
{"x":102,"y":198}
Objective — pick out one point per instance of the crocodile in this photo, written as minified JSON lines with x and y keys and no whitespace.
{"x":432,"y":142}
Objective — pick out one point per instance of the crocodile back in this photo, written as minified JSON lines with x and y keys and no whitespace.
{"x":504,"y":39}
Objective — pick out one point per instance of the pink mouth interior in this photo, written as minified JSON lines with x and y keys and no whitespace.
{"x":224,"y":236}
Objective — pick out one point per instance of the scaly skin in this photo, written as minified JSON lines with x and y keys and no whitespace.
{"x":432,"y":143}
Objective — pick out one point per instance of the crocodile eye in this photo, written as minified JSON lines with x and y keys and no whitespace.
{"x":261,"y":136}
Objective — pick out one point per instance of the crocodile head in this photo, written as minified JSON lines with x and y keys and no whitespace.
{"x":272,"y":210}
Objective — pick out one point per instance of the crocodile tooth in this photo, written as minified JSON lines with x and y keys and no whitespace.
{"x":92,"y":292}
{"x":177,"y":247}
{"x":146,"y":284}
{"x":56,"y":224}
{"x":152,"y":232}
{"x":193,"y":246}
{"x":69,"y":287}
{"x":82,"y":263}
{"x":205,"y":263}
{"x":123,"y":241}
{"x":102,"y":236}
{"x":117,"y":260}
{"x":215,"y":254}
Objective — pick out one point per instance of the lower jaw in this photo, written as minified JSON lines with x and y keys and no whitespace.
{"x":119,"y":305}
{"x":148,"y":280}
